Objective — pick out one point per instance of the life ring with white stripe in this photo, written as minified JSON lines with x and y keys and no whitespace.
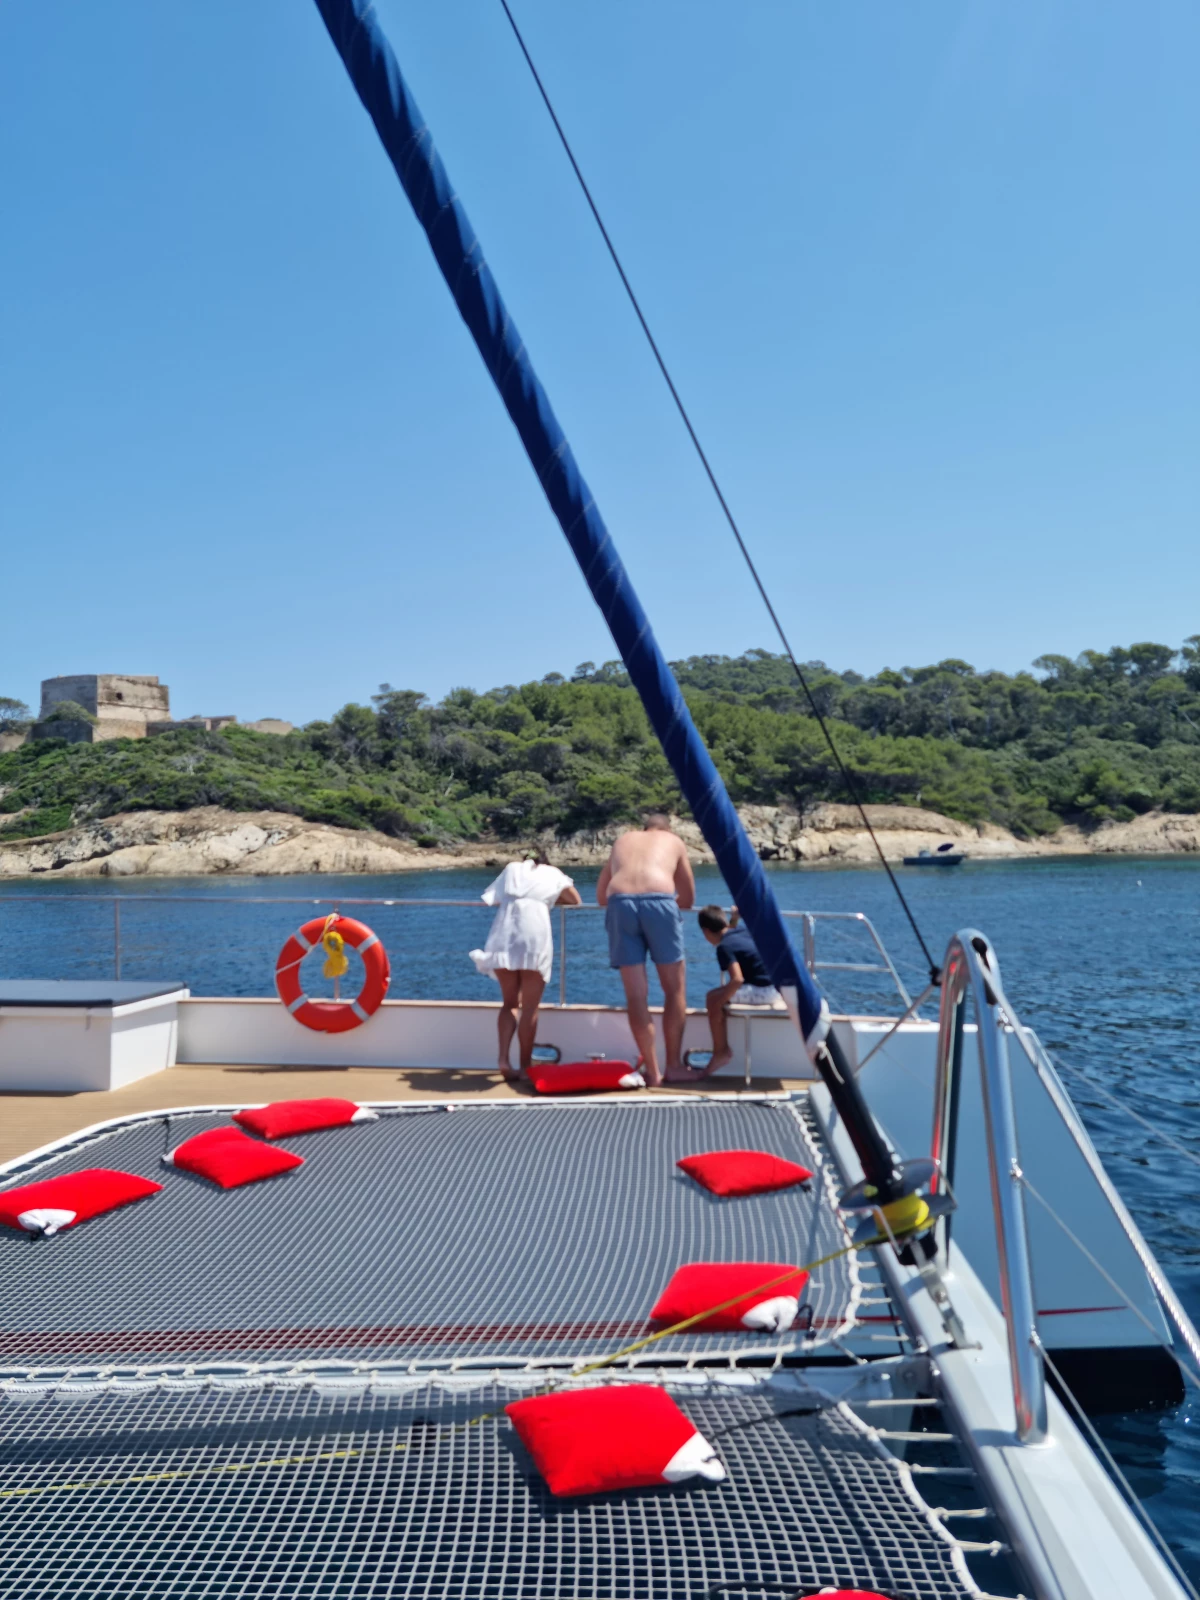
{"x":333,"y":1016}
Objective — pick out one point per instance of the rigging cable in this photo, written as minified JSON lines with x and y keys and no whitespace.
{"x":852,"y":787}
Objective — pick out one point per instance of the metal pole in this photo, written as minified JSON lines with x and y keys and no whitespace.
{"x":1012,"y":1238}
{"x":969,"y":960}
{"x":562,"y":955}
{"x":117,"y":937}
{"x":810,"y":944}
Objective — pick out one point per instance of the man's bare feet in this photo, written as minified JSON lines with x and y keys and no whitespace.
{"x":507,"y":1073}
{"x":652,"y":1075}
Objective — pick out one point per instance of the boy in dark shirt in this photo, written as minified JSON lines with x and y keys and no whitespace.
{"x":745,"y":978}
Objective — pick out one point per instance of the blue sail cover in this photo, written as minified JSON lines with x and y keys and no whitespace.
{"x":376,"y":76}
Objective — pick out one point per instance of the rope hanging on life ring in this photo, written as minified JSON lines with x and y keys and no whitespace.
{"x":337,"y":962}
{"x":333,"y":933}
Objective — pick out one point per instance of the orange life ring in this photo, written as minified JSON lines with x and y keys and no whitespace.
{"x":333,"y":1016}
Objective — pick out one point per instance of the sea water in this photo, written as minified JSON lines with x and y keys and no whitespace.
{"x":1100,"y":956}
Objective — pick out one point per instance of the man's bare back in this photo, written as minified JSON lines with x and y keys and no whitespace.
{"x":650,"y":861}
{"x":646,"y":882}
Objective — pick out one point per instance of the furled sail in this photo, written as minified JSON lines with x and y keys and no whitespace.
{"x":376,"y":76}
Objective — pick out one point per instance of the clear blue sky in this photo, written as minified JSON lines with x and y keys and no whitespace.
{"x":927,"y":273}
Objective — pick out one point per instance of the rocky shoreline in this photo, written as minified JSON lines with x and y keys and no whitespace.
{"x":209,"y":841}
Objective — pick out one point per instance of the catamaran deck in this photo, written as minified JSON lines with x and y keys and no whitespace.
{"x":29,"y":1121}
{"x":423,"y":1491}
{"x":440,"y":1235}
{"x":296,"y":1389}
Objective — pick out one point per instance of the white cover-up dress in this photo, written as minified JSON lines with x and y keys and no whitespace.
{"x":521,"y":939}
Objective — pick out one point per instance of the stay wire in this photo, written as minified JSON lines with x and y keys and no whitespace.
{"x":1128,"y":1492}
{"x":847,"y":778}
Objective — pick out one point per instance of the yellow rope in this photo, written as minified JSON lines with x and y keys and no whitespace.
{"x":337,"y":963}
{"x":487,"y":1416}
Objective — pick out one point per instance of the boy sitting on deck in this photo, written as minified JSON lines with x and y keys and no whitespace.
{"x":745,"y":979}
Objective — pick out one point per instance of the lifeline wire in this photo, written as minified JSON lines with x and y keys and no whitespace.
{"x":1109,"y":1279}
{"x":1094,"y":1087}
{"x":847,"y":777}
{"x":1135,"y":1504}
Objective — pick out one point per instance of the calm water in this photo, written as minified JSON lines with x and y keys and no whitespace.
{"x":1102,"y":957}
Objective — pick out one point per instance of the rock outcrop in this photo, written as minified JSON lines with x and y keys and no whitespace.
{"x":179,"y":844}
{"x":209,"y":840}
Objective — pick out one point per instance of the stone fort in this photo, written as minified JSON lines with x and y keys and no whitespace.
{"x":125,"y":706}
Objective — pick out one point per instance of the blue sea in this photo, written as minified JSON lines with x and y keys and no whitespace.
{"x":1101,"y":956}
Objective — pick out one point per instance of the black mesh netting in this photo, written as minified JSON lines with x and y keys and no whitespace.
{"x":488,"y":1232}
{"x":277,"y":1492}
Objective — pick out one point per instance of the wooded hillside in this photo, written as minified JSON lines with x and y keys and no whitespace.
{"x":1109,"y":734}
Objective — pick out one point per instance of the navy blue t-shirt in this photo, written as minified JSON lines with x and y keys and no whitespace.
{"x":737,"y":945}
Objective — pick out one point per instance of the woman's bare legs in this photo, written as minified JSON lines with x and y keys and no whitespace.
{"x":506,"y":1022}
{"x":532,"y":985}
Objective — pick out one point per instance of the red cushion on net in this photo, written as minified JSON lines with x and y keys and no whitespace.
{"x":843,"y":1594}
{"x":736,"y":1172}
{"x":768,"y":1296}
{"x":229,"y":1158}
{"x":576,"y":1077}
{"x":284,"y":1117}
{"x":630,"y":1436}
{"x":60,"y":1203}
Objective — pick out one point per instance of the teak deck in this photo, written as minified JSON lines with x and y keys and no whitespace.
{"x":28,"y":1121}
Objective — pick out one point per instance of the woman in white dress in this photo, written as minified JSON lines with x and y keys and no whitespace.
{"x":520,"y":948}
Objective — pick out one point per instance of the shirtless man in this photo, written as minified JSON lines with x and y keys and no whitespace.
{"x":644,"y":887}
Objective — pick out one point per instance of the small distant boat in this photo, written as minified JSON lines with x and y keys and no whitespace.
{"x":944,"y":856}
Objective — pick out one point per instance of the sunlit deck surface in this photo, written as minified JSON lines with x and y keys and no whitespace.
{"x":28,"y":1121}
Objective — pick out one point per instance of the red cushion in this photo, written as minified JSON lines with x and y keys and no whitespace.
{"x":629,"y":1436}
{"x":576,"y":1077}
{"x":702,"y":1284}
{"x":842,"y":1594}
{"x":229,"y":1158}
{"x":743,"y":1171}
{"x":59,"y":1203}
{"x":276,"y":1121}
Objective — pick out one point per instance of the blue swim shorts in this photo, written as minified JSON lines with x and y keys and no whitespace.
{"x":643,"y":924}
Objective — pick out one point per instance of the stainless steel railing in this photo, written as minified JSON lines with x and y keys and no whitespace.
{"x":884,"y":964}
{"x":812,"y":924}
{"x":970,"y":971}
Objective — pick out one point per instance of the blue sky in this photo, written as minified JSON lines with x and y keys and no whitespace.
{"x":927,"y":275}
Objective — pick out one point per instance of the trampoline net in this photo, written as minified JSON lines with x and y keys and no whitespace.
{"x":266,"y":1490}
{"x":504,"y":1233}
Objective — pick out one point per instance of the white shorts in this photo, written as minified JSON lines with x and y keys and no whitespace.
{"x":758,"y":995}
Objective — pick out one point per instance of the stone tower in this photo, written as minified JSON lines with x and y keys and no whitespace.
{"x":122,"y":703}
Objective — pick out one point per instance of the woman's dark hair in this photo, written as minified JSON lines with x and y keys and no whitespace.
{"x":538,"y":857}
{"x":712,"y":919}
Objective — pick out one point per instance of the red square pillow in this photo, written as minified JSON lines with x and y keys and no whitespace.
{"x":229,"y":1158}
{"x":59,"y":1203}
{"x":766,"y":1296}
{"x":577,"y":1077}
{"x":736,"y":1172}
{"x":283,"y":1117}
{"x":630,"y":1436}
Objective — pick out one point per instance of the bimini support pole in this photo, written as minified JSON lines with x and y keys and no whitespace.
{"x":375,"y":74}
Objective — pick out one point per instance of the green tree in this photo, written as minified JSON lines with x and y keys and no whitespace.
{"x":14,"y":715}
